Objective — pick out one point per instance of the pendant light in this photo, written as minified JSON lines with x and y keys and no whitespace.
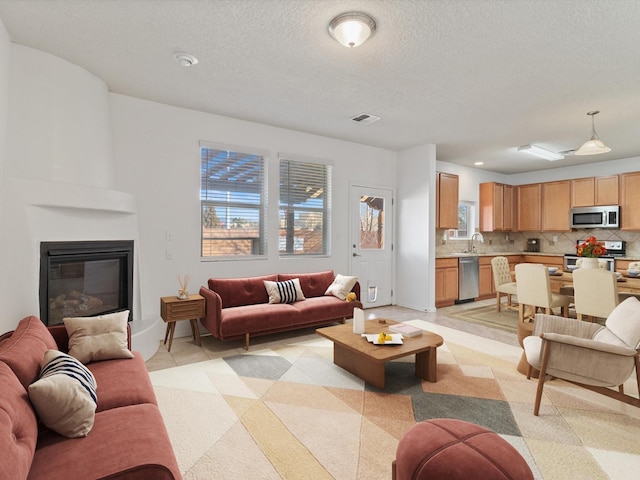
{"x":594,"y":145}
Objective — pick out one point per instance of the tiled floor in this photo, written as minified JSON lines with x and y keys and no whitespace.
{"x":579,"y":434}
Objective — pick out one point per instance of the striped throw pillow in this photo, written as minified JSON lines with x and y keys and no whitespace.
{"x":284,"y":292}
{"x":64,"y":396}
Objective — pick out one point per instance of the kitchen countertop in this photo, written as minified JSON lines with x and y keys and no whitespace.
{"x":506,"y":254}
{"x":497,"y":254}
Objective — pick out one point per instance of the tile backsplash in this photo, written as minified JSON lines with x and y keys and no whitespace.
{"x":565,"y":241}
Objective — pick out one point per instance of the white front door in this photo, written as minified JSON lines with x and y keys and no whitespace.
{"x":371,"y":244}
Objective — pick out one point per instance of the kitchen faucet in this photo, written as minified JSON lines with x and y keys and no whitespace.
{"x":472,"y":247}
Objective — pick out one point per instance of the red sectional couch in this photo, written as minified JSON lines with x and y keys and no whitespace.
{"x":239,"y":307}
{"x":128,"y":440}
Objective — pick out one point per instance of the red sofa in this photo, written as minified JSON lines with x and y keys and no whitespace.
{"x":239,"y":307}
{"x":128,"y":440}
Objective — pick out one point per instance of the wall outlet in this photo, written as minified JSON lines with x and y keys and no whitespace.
{"x":168,"y":255}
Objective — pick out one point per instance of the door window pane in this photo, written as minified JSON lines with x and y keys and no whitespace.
{"x":371,"y":223}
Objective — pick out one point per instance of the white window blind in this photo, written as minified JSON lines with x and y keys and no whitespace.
{"x":305,"y":194}
{"x":232,"y":199}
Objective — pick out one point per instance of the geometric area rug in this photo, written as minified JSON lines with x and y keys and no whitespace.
{"x":283,"y":410}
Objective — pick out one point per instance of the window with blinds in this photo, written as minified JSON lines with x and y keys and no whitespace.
{"x":305,"y":193}
{"x":232,"y":202}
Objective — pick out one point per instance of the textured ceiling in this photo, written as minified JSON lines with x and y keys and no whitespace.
{"x":477,"y":78}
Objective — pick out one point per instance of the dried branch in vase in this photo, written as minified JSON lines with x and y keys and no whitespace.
{"x":183,"y":283}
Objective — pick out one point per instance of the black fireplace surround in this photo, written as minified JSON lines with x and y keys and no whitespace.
{"x":85,"y":278}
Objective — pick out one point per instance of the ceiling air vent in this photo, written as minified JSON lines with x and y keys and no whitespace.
{"x":365,"y":119}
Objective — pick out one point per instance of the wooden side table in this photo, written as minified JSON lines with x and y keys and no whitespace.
{"x":173,"y":309}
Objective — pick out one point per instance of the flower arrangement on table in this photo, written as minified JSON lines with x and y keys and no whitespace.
{"x":591,"y":248}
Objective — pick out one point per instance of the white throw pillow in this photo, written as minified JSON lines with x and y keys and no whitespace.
{"x":98,"y":338}
{"x":624,"y":322}
{"x":341,"y":286}
{"x":284,"y":292}
{"x":65,"y":395}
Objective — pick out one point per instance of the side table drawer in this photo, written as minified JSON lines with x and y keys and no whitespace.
{"x":193,"y":308}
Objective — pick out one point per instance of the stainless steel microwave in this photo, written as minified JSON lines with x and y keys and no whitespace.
{"x":595,"y":217}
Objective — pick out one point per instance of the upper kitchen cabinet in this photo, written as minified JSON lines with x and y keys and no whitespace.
{"x":630,"y":201}
{"x":587,"y":192}
{"x":496,"y":207}
{"x":556,"y":202}
{"x":447,"y":200}
{"x":529,"y":201}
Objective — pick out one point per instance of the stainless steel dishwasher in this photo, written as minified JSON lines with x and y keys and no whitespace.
{"x":467,"y":279}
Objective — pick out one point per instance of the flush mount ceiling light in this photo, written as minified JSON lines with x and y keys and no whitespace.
{"x":541,"y":152}
{"x":594,"y":145}
{"x":352,"y":29}
{"x":184,"y":59}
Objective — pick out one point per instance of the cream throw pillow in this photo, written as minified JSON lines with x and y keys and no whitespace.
{"x":65,"y":395}
{"x":98,"y":338}
{"x":341,"y":286}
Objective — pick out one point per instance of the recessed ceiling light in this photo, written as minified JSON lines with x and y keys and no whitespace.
{"x":184,"y":59}
{"x":478,"y":163}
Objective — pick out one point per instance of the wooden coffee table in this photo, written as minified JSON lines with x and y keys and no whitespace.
{"x":366,"y":360}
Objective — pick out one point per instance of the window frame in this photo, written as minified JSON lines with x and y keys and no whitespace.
{"x":261,"y":206}
{"x":325,"y":211}
{"x":471,"y":220}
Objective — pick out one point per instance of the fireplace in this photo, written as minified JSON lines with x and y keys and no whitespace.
{"x":85,"y":278}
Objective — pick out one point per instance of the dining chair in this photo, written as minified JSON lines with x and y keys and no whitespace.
{"x":588,"y":354}
{"x":503,"y":282}
{"x":595,"y":292}
{"x":534,"y":289}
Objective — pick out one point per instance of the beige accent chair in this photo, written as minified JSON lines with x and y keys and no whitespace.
{"x":590,"y":355}
{"x":595,"y":292}
{"x":503,"y":282}
{"x":534,"y":289}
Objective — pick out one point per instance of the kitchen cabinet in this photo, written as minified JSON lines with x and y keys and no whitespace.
{"x":587,"y":192}
{"x":529,"y":198}
{"x":446,"y":281}
{"x":496,"y":207}
{"x":556,"y":202}
{"x":486,"y":286}
{"x":446,"y":200}
{"x":629,"y":201}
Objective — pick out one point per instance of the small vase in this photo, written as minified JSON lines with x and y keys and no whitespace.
{"x":183,"y":295}
{"x":589,"y":262}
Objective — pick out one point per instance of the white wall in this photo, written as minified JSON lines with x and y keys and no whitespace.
{"x":84,"y":164}
{"x":415,"y":255}
{"x":158,"y":160}
{"x":598,"y":169}
{"x":58,"y":173}
{"x":4,"y":100}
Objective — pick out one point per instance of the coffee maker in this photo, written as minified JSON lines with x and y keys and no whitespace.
{"x":533,"y":245}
